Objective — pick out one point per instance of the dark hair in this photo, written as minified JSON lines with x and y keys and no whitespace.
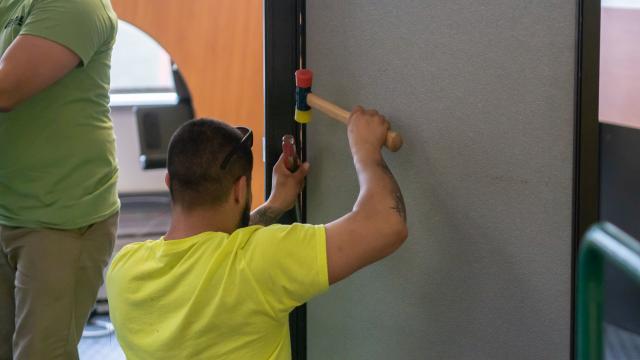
{"x":196,"y":150}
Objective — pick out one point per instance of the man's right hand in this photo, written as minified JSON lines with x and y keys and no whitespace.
{"x":367,"y":131}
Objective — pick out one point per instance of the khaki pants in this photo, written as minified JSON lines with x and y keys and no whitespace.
{"x":49,"y":280}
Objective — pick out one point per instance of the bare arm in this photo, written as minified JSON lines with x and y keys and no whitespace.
{"x":285,"y":189}
{"x":30,"y":65}
{"x":266,"y":215}
{"x":376,"y":226}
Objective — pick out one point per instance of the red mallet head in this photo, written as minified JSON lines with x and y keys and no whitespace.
{"x":304,"y":78}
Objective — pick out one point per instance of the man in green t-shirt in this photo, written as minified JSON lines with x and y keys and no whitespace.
{"x":58,"y":173}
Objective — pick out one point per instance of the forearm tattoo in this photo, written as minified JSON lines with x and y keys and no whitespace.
{"x":264,"y":216}
{"x":398,"y":205}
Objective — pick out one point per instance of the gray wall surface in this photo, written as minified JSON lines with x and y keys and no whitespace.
{"x":483,"y":92}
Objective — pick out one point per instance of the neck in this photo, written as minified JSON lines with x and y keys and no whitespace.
{"x":186,"y":223}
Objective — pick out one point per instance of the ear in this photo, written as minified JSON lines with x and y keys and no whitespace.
{"x":240,"y":190}
{"x":167,"y":181}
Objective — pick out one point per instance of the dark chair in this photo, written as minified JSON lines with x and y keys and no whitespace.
{"x":156,"y":124}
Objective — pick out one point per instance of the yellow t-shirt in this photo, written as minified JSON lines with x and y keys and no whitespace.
{"x":215,"y":295}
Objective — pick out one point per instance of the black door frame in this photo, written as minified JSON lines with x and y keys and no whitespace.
{"x":586,"y":175}
{"x":587,"y":147}
{"x":285,"y":51}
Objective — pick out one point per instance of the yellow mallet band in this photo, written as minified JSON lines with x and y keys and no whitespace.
{"x":302,"y":117}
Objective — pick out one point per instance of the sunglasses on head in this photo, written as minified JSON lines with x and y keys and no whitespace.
{"x":247,"y":140}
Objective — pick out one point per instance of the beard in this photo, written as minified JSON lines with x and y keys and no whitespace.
{"x":245,"y":218}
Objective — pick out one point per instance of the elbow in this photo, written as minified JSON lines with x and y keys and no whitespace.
{"x":11,"y":91}
{"x":5,"y":108}
{"x":398,"y":232}
{"x":7,"y":103}
{"x":401,"y":234}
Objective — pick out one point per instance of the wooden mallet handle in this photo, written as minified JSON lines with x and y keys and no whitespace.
{"x":394,"y":140}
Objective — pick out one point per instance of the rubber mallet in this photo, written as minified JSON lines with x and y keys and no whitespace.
{"x":305,"y":101}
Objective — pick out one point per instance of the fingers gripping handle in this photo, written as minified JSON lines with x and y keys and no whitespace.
{"x":290,"y":154}
{"x":394,"y":140}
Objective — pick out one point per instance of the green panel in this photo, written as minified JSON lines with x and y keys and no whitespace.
{"x":603,"y":242}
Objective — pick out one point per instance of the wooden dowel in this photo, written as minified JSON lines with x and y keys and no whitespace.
{"x":328,"y":108}
{"x":394,"y":140}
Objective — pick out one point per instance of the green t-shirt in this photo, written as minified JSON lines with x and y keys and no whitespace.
{"x":57,"y":149}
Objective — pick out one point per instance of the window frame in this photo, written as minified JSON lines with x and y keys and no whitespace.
{"x":144,"y":96}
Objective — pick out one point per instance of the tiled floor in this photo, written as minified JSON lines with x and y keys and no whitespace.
{"x":620,"y":345}
{"x":100,"y":348}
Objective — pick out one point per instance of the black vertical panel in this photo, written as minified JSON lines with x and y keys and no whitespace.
{"x":283,"y":54}
{"x":586,"y":175}
{"x":586,"y":162}
{"x":301,"y":130}
{"x":620,"y":205}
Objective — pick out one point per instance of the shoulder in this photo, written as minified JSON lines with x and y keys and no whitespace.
{"x":99,"y":10}
{"x":95,"y":6}
{"x":81,"y":10}
{"x":103,"y":8}
{"x":130,"y":251}
{"x":291,"y":230}
{"x":281,"y":235}
{"x":276,"y":229}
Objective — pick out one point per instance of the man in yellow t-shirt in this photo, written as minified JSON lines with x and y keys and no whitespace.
{"x":215,"y":288}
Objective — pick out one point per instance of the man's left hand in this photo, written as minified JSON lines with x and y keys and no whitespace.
{"x":286,"y":185}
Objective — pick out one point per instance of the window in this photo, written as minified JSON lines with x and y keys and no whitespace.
{"x":620,"y":62}
{"x":141,"y":70}
{"x":625,"y":4}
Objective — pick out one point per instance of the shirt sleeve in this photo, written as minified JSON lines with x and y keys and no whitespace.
{"x":83,"y":26}
{"x":289,"y":264}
